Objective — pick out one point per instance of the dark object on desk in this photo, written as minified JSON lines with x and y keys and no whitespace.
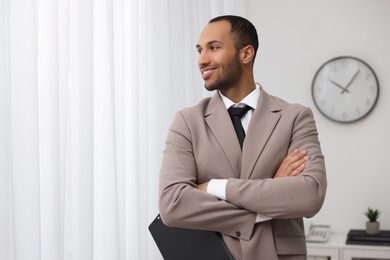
{"x":189,"y":244}
{"x":360,"y":237}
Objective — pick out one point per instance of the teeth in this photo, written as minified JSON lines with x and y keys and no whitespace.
{"x":207,"y":71}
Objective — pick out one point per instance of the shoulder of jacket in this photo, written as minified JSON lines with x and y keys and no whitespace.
{"x":196,"y":109}
{"x":287,"y":105}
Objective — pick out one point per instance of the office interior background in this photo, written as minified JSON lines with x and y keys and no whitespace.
{"x":88,"y":90}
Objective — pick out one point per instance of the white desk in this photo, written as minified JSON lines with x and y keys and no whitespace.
{"x":336,"y":249}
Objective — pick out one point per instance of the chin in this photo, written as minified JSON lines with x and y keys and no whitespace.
{"x":209,"y":88}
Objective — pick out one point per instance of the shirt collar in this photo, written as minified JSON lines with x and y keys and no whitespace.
{"x":251,"y":99}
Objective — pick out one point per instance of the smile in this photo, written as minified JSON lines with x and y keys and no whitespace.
{"x":207,"y":72}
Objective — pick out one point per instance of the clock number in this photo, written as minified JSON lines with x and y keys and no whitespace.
{"x":344,"y":115}
{"x":358,"y":112}
{"x":332,"y":111}
{"x":333,"y":68}
{"x":318,"y":90}
{"x":321,"y":78}
{"x":344,"y":64}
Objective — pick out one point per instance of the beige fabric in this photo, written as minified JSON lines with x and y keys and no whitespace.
{"x":201,"y":145}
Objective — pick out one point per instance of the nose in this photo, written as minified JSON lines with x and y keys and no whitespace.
{"x":203,"y":59}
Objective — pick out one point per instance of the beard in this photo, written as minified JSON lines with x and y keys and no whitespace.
{"x":232,"y":72}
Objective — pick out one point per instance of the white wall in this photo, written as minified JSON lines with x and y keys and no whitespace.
{"x":296,"y":38}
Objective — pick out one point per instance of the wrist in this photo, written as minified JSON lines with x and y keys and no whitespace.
{"x":217,"y":187}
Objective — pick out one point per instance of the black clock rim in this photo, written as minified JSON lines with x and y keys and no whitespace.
{"x":356,"y":119}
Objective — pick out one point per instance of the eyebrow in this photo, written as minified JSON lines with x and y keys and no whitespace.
{"x":209,"y":43}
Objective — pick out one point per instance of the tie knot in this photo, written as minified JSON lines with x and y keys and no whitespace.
{"x":238,"y":110}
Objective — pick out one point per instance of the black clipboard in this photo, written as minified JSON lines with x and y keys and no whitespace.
{"x":189,"y":244}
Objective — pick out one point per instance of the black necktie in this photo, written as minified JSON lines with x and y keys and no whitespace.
{"x":236,"y":112}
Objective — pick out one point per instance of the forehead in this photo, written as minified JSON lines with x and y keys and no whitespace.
{"x":216,"y":31}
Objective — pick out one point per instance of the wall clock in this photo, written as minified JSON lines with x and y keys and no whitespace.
{"x":345,"y":89}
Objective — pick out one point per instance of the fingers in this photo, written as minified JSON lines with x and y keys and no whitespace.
{"x":297,"y":163}
{"x":295,"y":156}
{"x":293,"y":164}
{"x":298,"y":167}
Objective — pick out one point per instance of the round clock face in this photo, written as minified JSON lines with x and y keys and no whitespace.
{"x":345,"y":89}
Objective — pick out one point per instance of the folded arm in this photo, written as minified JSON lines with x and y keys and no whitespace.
{"x":290,"y":196}
{"x":295,"y":191}
{"x":182,"y":204}
{"x":292,"y":165}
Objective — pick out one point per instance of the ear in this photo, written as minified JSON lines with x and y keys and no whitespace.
{"x":247,"y":54}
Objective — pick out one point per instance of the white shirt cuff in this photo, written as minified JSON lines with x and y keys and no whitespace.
{"x":217,"y":187}
{"x":261,"y":218}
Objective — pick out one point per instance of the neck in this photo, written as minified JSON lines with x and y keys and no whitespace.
{"x":240,"y":91}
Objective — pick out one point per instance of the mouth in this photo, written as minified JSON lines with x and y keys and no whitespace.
{"x":207,"y":72}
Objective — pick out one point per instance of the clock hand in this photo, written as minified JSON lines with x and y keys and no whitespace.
{"x":338,"y":85}
{"x":350,"y":81}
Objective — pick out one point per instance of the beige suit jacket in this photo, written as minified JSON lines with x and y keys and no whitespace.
{"x":202,"y":145}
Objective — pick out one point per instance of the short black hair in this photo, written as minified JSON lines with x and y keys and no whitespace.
{"x":243,"y":30}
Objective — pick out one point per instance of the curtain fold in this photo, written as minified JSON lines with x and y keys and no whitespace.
{"x":87,"y":92}
{"x":48,"y":129}
{"x":5,"y":156}
{"x":24,"y":135}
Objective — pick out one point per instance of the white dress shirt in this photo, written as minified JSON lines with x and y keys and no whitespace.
{"x":217,"y":187}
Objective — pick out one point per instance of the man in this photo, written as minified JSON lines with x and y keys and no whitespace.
{"x":255,"y":196}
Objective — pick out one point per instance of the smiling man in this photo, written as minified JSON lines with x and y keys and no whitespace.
{"x":242,"y":163}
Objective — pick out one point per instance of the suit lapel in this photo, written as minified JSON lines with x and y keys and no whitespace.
{"x":263,"y":122}
{"x":218,"y":119}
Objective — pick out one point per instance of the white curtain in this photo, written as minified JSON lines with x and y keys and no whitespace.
{"x":87,"y":91}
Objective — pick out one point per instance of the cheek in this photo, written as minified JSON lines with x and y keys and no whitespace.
{"x":222,"y":57}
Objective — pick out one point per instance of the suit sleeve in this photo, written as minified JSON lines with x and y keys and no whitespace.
{"x":182,"y":204}
{"x":287,"y":197}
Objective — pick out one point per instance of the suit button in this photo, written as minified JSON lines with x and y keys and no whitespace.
{"x":238,"y":234}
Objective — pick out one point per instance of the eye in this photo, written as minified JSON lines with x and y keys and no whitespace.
{"x":214,"y":47}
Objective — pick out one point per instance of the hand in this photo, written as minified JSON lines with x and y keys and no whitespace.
{"x":293,"y":164}
{"x":203,"y":186}
{"x":350,"y":81}
{"x":338,"y":85}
